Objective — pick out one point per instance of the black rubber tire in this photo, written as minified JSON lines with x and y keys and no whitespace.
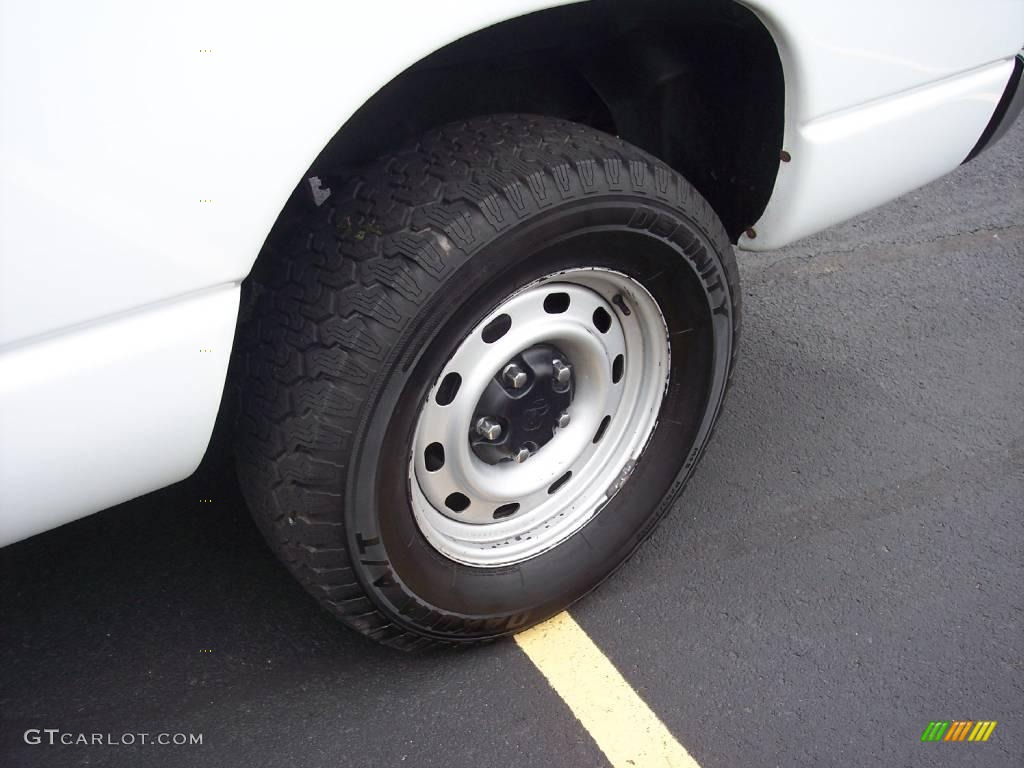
{"x":354,"y":306}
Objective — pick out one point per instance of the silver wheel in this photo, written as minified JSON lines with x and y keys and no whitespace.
{"x":538,"y":417}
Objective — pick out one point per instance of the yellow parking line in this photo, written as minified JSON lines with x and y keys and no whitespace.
{"x":624,"y":727}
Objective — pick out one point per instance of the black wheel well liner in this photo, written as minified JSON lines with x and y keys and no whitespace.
{"x":698,"y":84}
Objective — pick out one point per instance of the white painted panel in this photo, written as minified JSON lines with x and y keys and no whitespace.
{"x":115,"y":123}
{"x":851,"y":161}
{"x":863,"y":68}
{"x":840,"y":53}
{"x":92,"y":418}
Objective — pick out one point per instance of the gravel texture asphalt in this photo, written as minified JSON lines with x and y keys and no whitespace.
{"x":847,"y":565}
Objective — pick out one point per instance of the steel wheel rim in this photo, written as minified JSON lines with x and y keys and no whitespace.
{"x":562,"y":486}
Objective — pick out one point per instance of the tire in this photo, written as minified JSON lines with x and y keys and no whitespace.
{"x":357,"y":307}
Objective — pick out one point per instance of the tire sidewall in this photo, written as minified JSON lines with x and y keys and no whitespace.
{"x":470,"y":603}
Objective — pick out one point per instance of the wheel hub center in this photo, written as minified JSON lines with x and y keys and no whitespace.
{"x":528,"y":400}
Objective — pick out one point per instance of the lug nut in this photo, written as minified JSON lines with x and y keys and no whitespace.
{"x":521,"y":455}
{"x":563,"y":420}
{"x":562,"y":371}
{"x":488,"y":428}
{"x":514,"y":376}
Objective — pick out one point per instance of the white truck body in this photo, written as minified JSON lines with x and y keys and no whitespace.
{"x":147,"y":150}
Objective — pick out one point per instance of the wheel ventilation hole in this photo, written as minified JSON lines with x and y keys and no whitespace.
{"x":556,"y":303}
{"x":506,"y":510}
{"x":602,"y":320}
{"x":449,"y":388}
{"x":495,"y":329}
{"x":617,"y":366}
{"x":456,"y":502}
{"x":601,"y":428}
{"x":560,"y":482}
{"x":433,"y":457}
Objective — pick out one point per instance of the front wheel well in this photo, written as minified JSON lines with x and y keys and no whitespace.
{"x":697,"y":84}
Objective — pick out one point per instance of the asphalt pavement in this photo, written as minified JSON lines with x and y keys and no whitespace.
{"x":846,"y":566}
